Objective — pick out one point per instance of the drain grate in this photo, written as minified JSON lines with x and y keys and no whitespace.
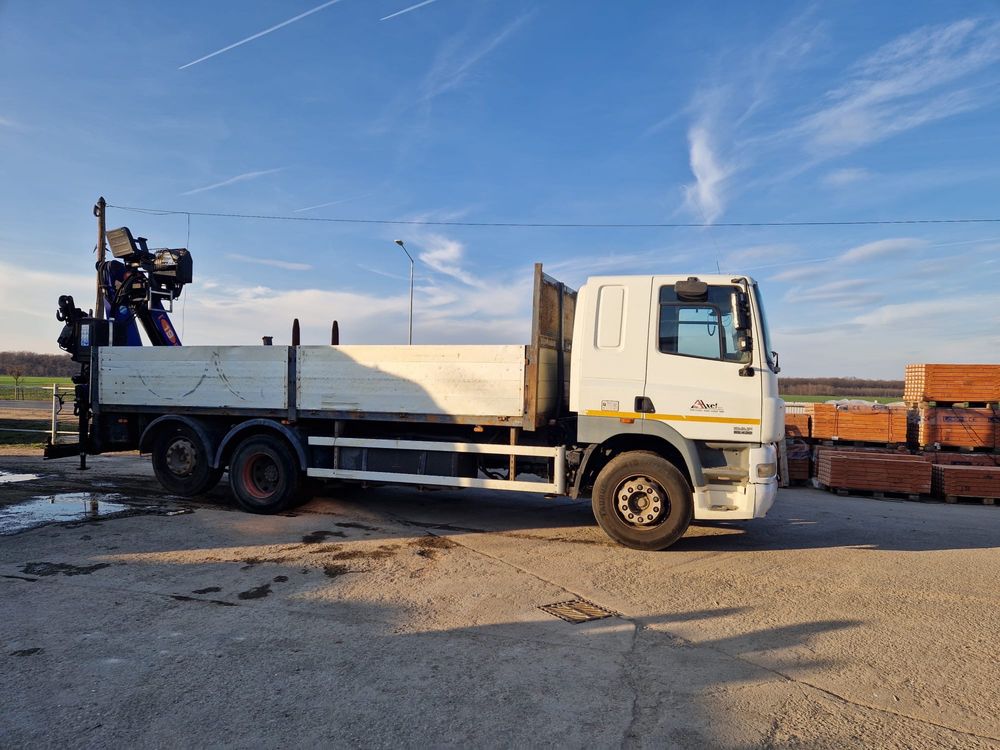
{"x":577,"y":610}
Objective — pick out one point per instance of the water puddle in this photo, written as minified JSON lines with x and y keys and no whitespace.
{"x":65,"y":507}
{"x":7,"y":478}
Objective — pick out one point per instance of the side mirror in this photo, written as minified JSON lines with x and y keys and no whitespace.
{"x":742,"y":307}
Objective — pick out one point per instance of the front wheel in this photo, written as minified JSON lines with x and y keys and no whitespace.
{"x":264,"y":475}
{"x":181,"y":462}
{"x":642,"y":501}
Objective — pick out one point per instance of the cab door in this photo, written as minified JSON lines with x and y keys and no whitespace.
{"x":698,"y":374}
{"x":609,"y":360}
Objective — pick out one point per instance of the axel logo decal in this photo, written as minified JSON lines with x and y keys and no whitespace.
{"x":700,"y":405}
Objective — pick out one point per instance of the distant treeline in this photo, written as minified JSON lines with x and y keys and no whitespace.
{"x":839,"y":387}
{"x":30,"y":364}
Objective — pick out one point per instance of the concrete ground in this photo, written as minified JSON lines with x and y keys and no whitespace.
{"x":390,"y":617}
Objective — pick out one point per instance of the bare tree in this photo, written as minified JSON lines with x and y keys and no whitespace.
{"x":18,"y":374}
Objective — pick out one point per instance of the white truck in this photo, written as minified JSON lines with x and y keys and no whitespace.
{"x":654,"y":395}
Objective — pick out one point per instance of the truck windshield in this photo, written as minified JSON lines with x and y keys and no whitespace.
{"x":765,"y":333}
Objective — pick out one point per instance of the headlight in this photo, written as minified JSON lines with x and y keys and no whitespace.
{"x":766,"y":471}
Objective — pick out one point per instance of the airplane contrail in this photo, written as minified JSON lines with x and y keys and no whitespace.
{"x":233,"y":180}
{"x":332,"y":203}
{"x":259,"y":34}
{"x":407,"y":10}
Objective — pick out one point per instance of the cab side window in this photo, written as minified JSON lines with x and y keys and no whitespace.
{"x":704,"y":329}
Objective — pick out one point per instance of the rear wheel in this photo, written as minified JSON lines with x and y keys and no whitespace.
{"x":642,"y":501}
{"x":264,"y":475}
{"x":181,"y":461}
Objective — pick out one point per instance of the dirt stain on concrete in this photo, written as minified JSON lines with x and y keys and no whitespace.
{"x":280,"y":579}
{"x":207,"y":590}
{"x":429,"y":547}
{"x":334,"y":570}
{"x":256,"y":593}
{"x":324,"y":549}
{"x":27,"y":652}
{"x":51,"y":569}
{"x":182,"y":598}
{"x":352,"y":525}
{"x":379,"y":553}
{"x":316,"y":537}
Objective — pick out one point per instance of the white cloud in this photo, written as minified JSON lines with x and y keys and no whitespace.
{"x":839,"y":293}
{"x":454,"y":62}
{"x":918,"y":78}
{"x":736,"y":259}
{"x":931,"y":312}
{"x":806,"y":269}
{"x":705,"y":196}
{"x":813,"y":268}
{"x":900,"y":85}
{"x":28,"y":301}
{"x":846,"y":176}
{"x":445,"y":256}
{"x":287,"y":265}
{"x":880,"y":248}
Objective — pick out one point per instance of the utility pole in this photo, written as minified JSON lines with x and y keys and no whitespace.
{"x":99,"y":211}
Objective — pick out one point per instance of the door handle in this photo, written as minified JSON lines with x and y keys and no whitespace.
{"x":644,"y":405}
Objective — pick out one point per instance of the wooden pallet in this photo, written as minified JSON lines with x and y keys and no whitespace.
{"x":962,"y":498}
{"x":961,"y":458}
{"x":876,"y":494}
{"x":958,"y":450}
{"x":876,"y":446}
{"x":948,"y":383}
{"x":956,"y":405}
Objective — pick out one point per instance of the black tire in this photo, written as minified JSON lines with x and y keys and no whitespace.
{"x":181,"y":461}
{"x":642,"y":501}
{"x":264,"y":475}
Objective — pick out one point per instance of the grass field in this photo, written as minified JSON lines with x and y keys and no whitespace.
{"x":25,"y":439}
{"x":32,"y":388}
{"x":821,"y":399}
{"x":35,"y":381}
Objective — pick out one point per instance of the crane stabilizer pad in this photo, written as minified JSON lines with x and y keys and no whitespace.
{"x":578,"y":610}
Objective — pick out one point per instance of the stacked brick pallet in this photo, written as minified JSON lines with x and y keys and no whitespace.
{"x":951,"y":384}
{"x":870,"y":423}
{"x":978,"y":482}
{"x":798,"y":456}
{"x":897,"y":473}
{"x":957,"y":427}
{"x":956,"y":406}
{"x":945,"y":439}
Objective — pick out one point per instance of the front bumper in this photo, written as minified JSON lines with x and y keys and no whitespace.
{"x":764,"y":496}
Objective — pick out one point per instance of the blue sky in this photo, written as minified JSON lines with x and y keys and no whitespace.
{"x":558,"y":111}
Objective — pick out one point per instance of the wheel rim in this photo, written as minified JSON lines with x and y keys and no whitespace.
{"x":181,"y":457}
{"x":261,"y":476}
{"x":641,"y":502}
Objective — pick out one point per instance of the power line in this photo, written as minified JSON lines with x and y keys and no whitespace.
{"x":558,"y":225}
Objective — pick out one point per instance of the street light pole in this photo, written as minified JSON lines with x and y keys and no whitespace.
{"x":403,"y":247}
